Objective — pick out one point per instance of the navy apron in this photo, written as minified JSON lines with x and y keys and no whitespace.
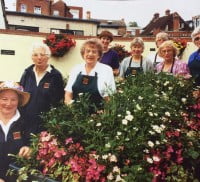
{"x":133,"y":70}
{"x":154,"y":62}
{"x":87,"y":84}
{"x":194,"y":67}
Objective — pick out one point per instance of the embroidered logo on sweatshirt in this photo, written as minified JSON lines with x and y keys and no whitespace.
{"x":17,"y":135}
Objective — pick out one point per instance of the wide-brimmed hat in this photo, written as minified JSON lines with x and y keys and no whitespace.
{"x":11,"y":85}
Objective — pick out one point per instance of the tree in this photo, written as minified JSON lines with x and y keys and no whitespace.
{"x":133,"y":24}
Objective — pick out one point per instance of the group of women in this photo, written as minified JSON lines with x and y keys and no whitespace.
{"x":42,"y":87}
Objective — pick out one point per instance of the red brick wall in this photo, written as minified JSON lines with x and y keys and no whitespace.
{"x":62,"y":8}
{"x":30,"y":4}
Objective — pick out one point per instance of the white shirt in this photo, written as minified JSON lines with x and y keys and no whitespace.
{"x":152,"y":57}
{"x":105,"y":83}
{"x":37,"y":77}
{"x":6,"y":127}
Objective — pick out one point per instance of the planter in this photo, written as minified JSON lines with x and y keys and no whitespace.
{"x":31,"y":178}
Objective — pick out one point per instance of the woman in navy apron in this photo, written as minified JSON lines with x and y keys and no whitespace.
{"x":91,"y":77}
{"x":136,"y":63}
{"x":170,"y":63}
{"x":194,"y":59}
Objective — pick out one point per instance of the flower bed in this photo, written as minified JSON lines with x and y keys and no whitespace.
{"x":149,"y":131}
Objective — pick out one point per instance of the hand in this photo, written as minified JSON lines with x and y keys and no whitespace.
{"x":24,"y":152}
{"x":1,"y":180}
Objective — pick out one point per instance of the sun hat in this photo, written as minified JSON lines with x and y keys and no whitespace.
{"x":11,"y":85}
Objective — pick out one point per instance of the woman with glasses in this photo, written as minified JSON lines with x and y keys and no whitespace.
{"x":194,"y":59}
{"x":44,"y":83}
{"x":170,"y":63}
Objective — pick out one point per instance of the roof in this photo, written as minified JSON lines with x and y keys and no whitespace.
{"x":51,"y":17}
{"x":162,"y":22}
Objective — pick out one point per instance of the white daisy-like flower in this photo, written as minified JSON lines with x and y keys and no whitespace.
{"x":140,"y":97}
{"x":107,"y":145}
{"x":138,"y":107}
{"x":150,"y":114}
{"x":135,"y":128}
{"x":150,"y":144}
{"x":98,"y":124}
{"x":119,"y":115}
{"x":129,"y":117}
{"x":163,"y":126}
{"x":149,"y":160}
{"x":119,"y":133}
{"x":146,"y":151}
{"x":110,"y":176}
{"x":80,"y":94}
{"x":116,"y":169}
{"x":157,"y":142}
{"x":128,"y":112}
{"x":183,"y":100}
{"x":155,"y":114}
{"x":113,"y":158}
{"x":166,"y":83}
{"x":124,"y":122}
{"x":104,"y":157}
{"x":156,"y":158}
{"x":170,"y":88}
{"x":152,"y":132}
{"x":167,"y":114}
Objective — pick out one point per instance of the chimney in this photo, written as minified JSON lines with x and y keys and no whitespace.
{"x":176,"y":22}
{"x":156,"y":16}
{"x":88,"y":15}
{"x":167,"y":12}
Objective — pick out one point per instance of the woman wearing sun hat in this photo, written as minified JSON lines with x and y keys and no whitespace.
{"x":13,"y":135}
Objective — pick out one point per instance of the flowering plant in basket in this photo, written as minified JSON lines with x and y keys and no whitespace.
{"x":122,"y":52}
{"x":180,"y":44}
{"x":59,"y":44}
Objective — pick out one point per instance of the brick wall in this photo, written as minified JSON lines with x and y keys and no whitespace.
{"x":30,"y":4}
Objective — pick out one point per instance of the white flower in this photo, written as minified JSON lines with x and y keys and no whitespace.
{"x":150,"y":143}
{"x":170,"y":88}
{"x":134,"y":128}
{"x":156,"y":95}
{"x":104,"y":157}
{"x":124,"y":122}
{"x":119,"y":115}
{"x":80,"y":94}
{"x":90,"y":121}
{"x":162,"y":126}
{"x":167,"y":114}
{"x":113,"y":158}
{"x":128,"y":112}
{"x":157,"y":142}
{"x":98,"y":124}
{"x":156,"y":158}
{"x":129,"y":117}
{"x":140,"y":97}
{"x":166,"y":83}
{"x":107,"y":145}
{"x":119,"y":133}
{"x":110,"y":176}
{"x":116,"y":170}
{"x":127,"y":139}
{"x":146,"y":151}
{"x":119,"y":179}
{"x":150,"y":114}
{"x":149,"y":160}
{"x":138,"y":107}
{"x":155,"y":114}
{"x":152,"y":132}
{"x":183,"y":100}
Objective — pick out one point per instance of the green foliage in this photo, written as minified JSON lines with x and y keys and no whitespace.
{"x":143,"y":133}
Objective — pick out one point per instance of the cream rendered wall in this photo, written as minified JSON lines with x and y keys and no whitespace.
{"x":45,"y":25}
{"x":12,"y":66}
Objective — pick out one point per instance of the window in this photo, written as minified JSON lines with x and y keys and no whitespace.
{"x":23,"y":8}
{"x":37,"y":10}
{"x":56,"y":13}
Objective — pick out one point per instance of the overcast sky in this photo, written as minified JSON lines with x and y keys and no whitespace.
{"x":140,"y":11}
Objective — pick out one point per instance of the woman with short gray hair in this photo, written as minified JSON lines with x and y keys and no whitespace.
{"x":45,"y":84}
{"x":194,"y":59}
{"x":136,"y":63}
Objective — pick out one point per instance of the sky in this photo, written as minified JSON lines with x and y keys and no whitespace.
{"x":140,"y":11}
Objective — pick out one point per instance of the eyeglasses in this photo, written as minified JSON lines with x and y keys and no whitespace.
{"x":41,"y":55}
{"x":166,"y":51}
{"x":196,"y":38}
